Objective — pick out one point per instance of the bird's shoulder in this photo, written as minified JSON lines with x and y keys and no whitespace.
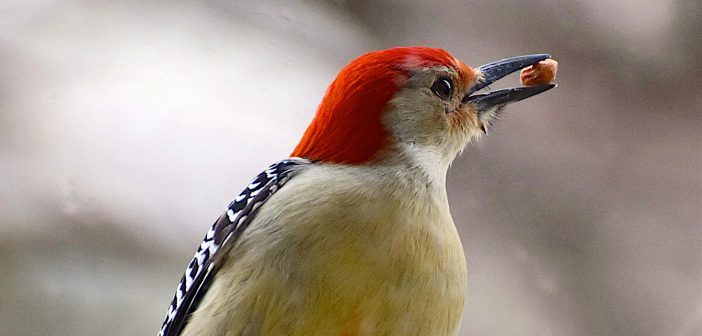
{"x":221,"y":237}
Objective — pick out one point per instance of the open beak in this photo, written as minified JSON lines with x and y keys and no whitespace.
{"x":492,"y":72}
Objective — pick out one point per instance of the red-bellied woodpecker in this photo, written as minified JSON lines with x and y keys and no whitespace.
{"x":352,"y":235}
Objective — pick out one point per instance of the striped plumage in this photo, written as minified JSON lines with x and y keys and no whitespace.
{"x":219,"y":238}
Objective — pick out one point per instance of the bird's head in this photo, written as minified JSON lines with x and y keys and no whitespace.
{"x":408,"y":102}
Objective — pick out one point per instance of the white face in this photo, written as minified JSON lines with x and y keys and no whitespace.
{"x":426,"y":117}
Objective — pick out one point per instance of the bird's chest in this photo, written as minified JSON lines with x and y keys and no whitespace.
{"x":346,"y":256}
{"x":387,"y":271}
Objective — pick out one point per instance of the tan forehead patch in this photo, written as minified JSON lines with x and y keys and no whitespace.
{"x":465,"y":73}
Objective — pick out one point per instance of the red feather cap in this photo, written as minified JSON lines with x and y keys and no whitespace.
{"x":347,"y":127}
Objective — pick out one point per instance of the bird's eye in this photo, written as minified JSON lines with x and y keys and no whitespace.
{"x":443,"y":87}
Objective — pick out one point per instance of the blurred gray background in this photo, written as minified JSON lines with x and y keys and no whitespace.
{"x":126,"y":127}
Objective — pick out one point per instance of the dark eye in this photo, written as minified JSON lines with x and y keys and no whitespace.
{"x":443,"y":87}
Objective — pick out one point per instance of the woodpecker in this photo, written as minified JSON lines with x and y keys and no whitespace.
{"x":352,"y":234}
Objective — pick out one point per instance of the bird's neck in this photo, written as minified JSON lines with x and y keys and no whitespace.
{"x":412,"y":169}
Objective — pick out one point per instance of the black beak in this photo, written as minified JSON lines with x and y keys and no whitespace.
{"x":491,"y":72}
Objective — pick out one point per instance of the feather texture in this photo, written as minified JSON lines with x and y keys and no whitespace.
{"x":348,"y":125}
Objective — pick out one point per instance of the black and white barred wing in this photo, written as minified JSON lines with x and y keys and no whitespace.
{"x":220,"y":239}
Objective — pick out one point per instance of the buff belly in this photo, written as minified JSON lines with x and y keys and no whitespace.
{"x":373,"y":268}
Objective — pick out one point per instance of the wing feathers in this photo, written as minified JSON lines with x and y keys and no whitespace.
{"x":220,"y":238}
